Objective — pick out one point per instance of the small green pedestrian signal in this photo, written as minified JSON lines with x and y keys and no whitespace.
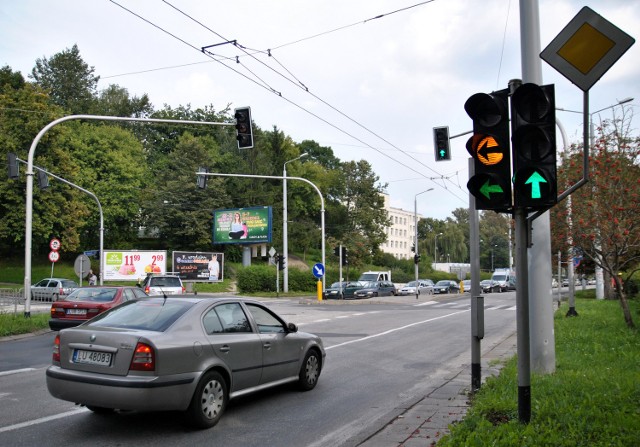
{"x":534,"y":180}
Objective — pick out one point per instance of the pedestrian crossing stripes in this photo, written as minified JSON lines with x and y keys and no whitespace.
{"x":455,"y":305}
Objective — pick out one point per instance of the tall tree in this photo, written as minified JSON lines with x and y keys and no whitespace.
{"x":116,"y":101}
{"x":604,"y":213}
{"x":10,"y":78}
{"x":68,"y":79}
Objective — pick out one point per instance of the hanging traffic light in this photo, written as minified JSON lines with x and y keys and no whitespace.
{"x":12,"y":166}
{"x":201,"y":180}
{"x":489,"y":147}
{"x":43,"y":180}
{"x":441,"y":143}
{"x":244,"y":130}
{"x":533,"y":113}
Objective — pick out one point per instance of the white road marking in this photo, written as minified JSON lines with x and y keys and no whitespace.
{"x":42,"y":420}
{"x":16,"y":371}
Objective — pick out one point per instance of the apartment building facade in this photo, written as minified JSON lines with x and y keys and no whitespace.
{"x":401,"y":231}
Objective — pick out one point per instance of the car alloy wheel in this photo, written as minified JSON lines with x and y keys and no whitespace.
{"x":310,"y":371}
{"x":209,"y":401}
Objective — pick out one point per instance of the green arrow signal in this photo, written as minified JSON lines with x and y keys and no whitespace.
{"x":487,"y":189}
{"x":442,"y":152}
{"x":535,"y":179}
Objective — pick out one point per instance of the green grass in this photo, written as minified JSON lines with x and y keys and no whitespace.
{"x":11,"y":324}
{"x":592,"y":399}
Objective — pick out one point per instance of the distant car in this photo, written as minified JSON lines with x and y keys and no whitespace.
{"x":376,"y":288}
{"x":184,"y":353}
{"x":51,"y":289}
{"x":466,"y":285}
{"x":347,"y":288}
{"x":424,"y":288}
{"x":446,"y":286}
{"x":488,"y":286}
{"x":85,"y":303}
{"x":162,"y":284}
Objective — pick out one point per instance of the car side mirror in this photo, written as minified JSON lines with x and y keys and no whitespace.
{"x":291,"y":327}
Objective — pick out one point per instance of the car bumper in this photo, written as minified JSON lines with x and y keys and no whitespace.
{"x":56,"y":324}
{"x":140,"y":393}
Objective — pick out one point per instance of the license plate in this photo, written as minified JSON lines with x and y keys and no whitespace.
{"x":91,"y":357}
{"x":76,"y":311}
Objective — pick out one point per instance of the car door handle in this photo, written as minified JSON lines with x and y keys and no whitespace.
{"x":225,"y":348}
{"x":267,"y":345}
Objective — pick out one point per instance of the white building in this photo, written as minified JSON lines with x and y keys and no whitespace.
{"x":401,"y":233}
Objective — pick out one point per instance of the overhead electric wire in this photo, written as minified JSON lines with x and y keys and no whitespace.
{"x":267,"y":87}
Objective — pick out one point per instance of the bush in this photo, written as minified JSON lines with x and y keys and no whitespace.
{"x":262,"y":278}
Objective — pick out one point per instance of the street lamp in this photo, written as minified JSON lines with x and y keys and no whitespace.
{"x":435,"y":249}
{"x":285,"y":239}
{"x":592,"y":142}
{"x":415,"y":223}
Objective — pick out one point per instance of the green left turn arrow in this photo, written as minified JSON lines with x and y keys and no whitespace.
{"x":487,"y":189}
{"x":535,"y":179}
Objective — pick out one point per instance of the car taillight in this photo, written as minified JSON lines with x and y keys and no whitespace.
{"x":56,"y":349}
{"x":143,"y":358}
{"x":146,"y":290}
{"x":183,"y":289}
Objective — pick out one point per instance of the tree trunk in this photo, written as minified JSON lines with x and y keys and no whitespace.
{"x":623,"y":303}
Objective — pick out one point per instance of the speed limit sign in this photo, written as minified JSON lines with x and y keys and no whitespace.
{"x":54,"y":244}
{"x":54,"y":256}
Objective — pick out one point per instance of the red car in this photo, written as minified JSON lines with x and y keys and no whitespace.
{"x":86,"y":302}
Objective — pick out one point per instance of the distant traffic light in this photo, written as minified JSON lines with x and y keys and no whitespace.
{"x":244,"y":130}
{"x":416,"y":259}
{"x":12,"y":166}
{"x":441,"y":143}
{"x":282,"y":262}
{"x":336,"y":251}
{"x":345,"y":256}
{"x":533,"y":123}
{"x":489,"y":147}
{"x":43,"y":180}
{"x":201,"y":180}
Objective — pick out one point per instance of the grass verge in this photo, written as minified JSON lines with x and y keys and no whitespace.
{"x":11,"y":324}
{"x":592,"y":399}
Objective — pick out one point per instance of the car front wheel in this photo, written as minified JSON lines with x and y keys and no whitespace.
{"x":310,"y":371}
{"x":209,"y":401}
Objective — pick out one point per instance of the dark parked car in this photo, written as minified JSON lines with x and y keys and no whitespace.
{"x":52,"y":289}
{"x":489,"y":286}
{"x":347,"y":289}
{"x":180,"y":352}
{"x":376,"y":288}
{"x":87,"y":302}
{"x":446,"y":286}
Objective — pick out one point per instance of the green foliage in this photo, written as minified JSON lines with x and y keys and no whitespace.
{"x":11,"y":324}
{"x":593,"y":398}
{"x":262,"y":278}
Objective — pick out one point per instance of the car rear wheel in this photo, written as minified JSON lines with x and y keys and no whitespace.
{"x":310,"y":371}
{"x":209,"y":401}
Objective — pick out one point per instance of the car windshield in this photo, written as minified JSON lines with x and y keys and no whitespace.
{"x":99,"y":294}
{"x":335,"y":285}
{"x":411,"y":284}
{"x":356,"y":284}
{"x":442,"y":283}
{"x":146,"y":314}
{"x":168,"y":281}
{"x":499,"y":277}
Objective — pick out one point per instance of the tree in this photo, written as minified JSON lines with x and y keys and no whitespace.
{"x":604,"y":213}
{"x":10,"y":78}
{"x":68,"y":79}
{"x":115,"y":101}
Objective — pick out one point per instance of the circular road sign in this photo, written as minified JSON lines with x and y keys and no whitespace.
{"x":54,"y":244}
{"x":318,"y":270}
{"x":54,"y":256}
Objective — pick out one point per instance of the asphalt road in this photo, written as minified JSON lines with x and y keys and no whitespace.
{"x":381,"y":354}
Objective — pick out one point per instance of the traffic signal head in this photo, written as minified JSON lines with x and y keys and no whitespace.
{"x":345,"y":256}
{"x":282,"y":262}
{"x":489,"y":147}
{"x":441,"y":143}
{"x":244,"y":130}
{"x":416,"y":259}
{"x":43,"y":180}
{"x":534,"y":146}
{"x":201,"y":180}
{"x":336,"y":251}
{"x":12,"y":165}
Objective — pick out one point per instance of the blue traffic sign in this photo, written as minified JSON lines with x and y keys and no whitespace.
{"x":318,"y":270}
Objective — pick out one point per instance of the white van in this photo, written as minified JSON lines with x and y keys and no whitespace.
{"x":505,"y":278}
{"x":375,"y":276}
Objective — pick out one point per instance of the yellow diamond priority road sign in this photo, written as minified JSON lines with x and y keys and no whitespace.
{"x":586,"y":48}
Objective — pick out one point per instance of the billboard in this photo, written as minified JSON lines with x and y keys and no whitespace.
{"x":118,"y":265}
{"x":198,"y":266}
{"x":242,"y":225}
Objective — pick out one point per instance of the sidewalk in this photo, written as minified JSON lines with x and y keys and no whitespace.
{"x":427,"y":420}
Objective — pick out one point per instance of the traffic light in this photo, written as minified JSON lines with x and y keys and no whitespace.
{"x":43,"y":180}
{"x":345,"y":256}
{"x":244,"y":131}
{"x":336,"y":251}
{"x":489,"y":147}
{"x":416,"y":259}
{"x":441,"y":143}
{"x":282,"y":262}
{"x":12,"y":165}
{"x":533,"y":113}
{"x":201,"y":180}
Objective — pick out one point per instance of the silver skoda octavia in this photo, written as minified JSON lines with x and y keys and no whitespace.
{"x":181,"y":353}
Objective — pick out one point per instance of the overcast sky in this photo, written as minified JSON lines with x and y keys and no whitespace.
{"x":380,"y":74}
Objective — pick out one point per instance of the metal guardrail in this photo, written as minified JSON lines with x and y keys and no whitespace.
{"x":10,"y":299}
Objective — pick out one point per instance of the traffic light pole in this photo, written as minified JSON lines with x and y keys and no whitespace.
{"x":522,"y":316}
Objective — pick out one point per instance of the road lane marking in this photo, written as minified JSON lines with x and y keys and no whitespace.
{"x":428,"y":303}
{"x":42,"y":420}
{"x":16,"y":371}
{"x":390,"y":331}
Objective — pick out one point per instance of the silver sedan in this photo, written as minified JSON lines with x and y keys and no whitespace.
{"x":181,"y":353}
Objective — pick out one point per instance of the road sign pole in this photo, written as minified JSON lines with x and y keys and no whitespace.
{"x":522,"y":317}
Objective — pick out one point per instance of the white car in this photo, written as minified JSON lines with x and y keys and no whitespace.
{"x":52,"y":289}
{"x":425,"y":287}
{"x":162,"y":284}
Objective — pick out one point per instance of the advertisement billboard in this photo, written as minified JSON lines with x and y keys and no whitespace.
{"x":198,"y":266}
{"x":242,"y":225}
{"x":131,"y":265}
